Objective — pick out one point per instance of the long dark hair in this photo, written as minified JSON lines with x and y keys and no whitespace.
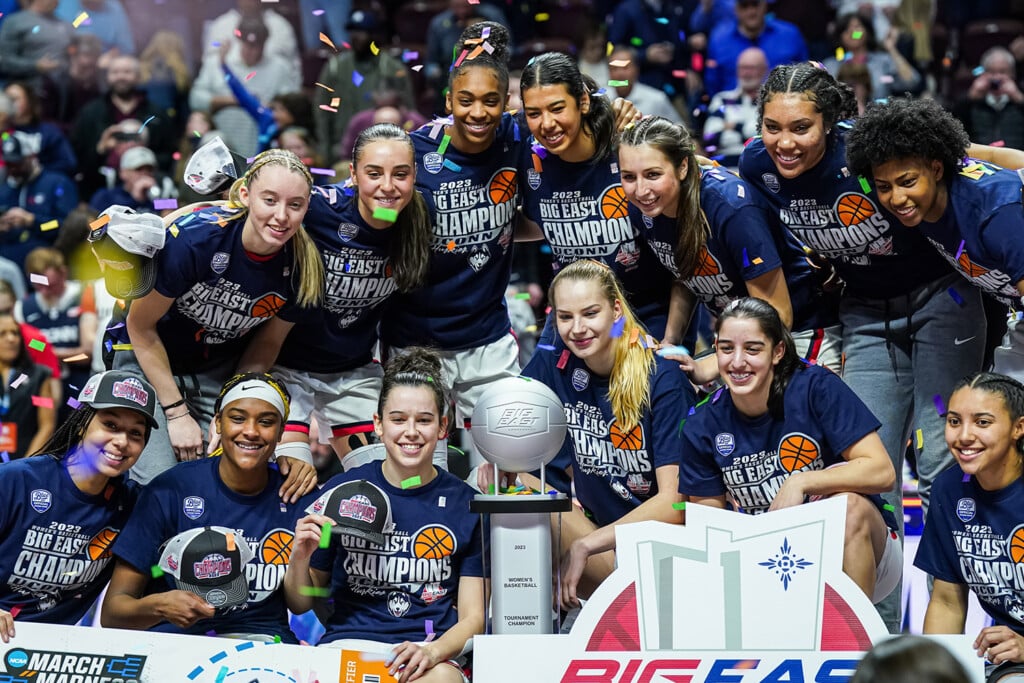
{"x":555,"y":68}
{"x":771,"y":325}
{"x":22,"y":361}
{"x":416,"y":367}
{"x":410,"y":257}
{"x":834,"y":100}
{"x":1007,"y":388}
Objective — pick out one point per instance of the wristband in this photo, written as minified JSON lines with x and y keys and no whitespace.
{"x":299,"y":450}
{"x":173,"y":405}
{"x":178,"y":416}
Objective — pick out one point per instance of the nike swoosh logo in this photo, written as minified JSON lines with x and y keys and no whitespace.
{"x":958,"y":342}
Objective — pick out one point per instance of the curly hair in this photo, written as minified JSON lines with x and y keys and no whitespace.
{"x":835,"y":101}
{"x":906,"y":128}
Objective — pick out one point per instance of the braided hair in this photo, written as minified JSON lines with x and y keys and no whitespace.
{"x":1009,"y":389}
{"x":833,"y":99}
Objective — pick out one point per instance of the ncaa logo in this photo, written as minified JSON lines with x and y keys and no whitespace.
{"x":580,"y":379}
{"x":533,"y":178}
{"x":40,"y":499}
{"x":16,"y":659}
{"x":771,"y":181}
{"x":433,"y":162}
{"x":725,"y":443}
{"x":648,"y":222}
{"x":347,"y":231}
{"x":193,"y":507}
{"x":219,"y":262}
{"x":965,"y":509}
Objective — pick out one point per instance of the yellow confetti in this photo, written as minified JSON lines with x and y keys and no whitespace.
{"x":80,"y":19}
{"x":325,"y":87}
{"x":840,"y":54}
{"x":541,"y":16}
{"x":619,"y":62}
{"x":335,"y":101}
{"x":374,"y":49}
{"x":173,"y":230}
{"x":920,"y":439}
{"x":122,"y":347}
{"x":757,"y":260}
{"x":49,"y":225}
{"x":609,"y":49}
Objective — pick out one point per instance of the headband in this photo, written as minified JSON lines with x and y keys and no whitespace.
{"x":255,"y":388}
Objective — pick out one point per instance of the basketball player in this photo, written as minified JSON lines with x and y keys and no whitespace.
{"x":625,"y":407}
{"x":237,"y":490}
{"x":373,"y":237}
{"x":781,"y":432}
{"x":573,"y":196}
{"x":221,"y":273}
{"x":429,"y":541}
{"x":704,"y":225}
{"x":973,"y":540}
{"x":77,"y":487}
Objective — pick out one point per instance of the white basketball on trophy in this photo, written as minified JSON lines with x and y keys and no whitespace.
{"x":519,"y":424}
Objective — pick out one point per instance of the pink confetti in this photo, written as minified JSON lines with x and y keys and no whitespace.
{"x":318,"y":12}
{"x":250,"y":75}
{"x":42,"y":402}
{"x":322,"y":171}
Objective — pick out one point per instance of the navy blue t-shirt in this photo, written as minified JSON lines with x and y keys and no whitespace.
{"x":192,"y":495}
{"x":388,"y":593}
{"x":613,"y":472}
{"x":981,"y":233}
{"x":220,"y":292}
{"x":472,"y":200}
{"x":740,"y":247}
{"x":340,"y":334}
{"x":727,"y":453}
{"x":583,"y":213}
{"x":967,"y":541}
{"x":838,"y":215}
{"x":55,"y":540}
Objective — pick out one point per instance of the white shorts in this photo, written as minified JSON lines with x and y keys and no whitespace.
{"x":342,"y":403}
{"x":469,"y":372}
{"x":890,"y":568}
{"x":821,"y":346}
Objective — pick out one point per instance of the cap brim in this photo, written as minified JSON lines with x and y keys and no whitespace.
{"x":371,"y":536}
{"x":126,"y":275}
{"x":223,"y":596}
{"x":149,"y":419}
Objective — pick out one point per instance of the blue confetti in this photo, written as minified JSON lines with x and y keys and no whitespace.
{"x":452,"y":166}
{"x":35,"y":29}
{"x":618,"y":326}
{"x":357,"y":78}
{"x":940,"y":406}
{"x":662,"y":20}
{"x":746,"y":261}
{"x":956,"y":296}
{"x":546,"y":347}
{"x":959,"y":250}
{"x":145,"y":123}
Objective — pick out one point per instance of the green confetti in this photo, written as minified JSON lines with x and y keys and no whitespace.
{"x":37,"y":345}
{"x":864,"y":184}
{"x":387,"y":215}
{"x":412,"y":481}
{"x":679,"y":506}
{"x":889,"y":507}
{"x":277,"y":639}
{"x":156,"y":571}
{"x":444,"y":143}
{"x":857,"y":35}
{"x":315,"y":592}
{"x":523,"y":296}
{"x":636,"y":41}
{"x":490,"y":489}
{"x":618,"y":84}
{"x":325,"y":535}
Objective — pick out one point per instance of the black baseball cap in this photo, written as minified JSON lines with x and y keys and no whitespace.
{"x":358,"y":508}
{"x":120,"y":389}
{"x":210,"y":562}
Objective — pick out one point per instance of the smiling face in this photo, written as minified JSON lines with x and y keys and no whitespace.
{"x":556,"y":121}
{"x":476,"y":101}
{"x":385,"y":178}
{"x":746,"y":362}
{"x":981,"y":435}
{"x":277,"y":200}
{"x":650,"y":181}
{"x":585,"y":318}
{"x":409,"y":428}
{"x":794,"y":134}
{"x":111,"y":443}
{"x":249,"y":430}
{"x":912,"y":189}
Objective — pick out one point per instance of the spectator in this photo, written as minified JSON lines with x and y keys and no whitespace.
{"x":41,"y":352}
{"x":280,"y":41}
{"x":53,"y":149}
{"x":265,"y":74}
{"x":879,"y":14}
{"x":387,"y":108}
{"x":6,"y":113}
{"x":34,"y":43}
{"x":139,"y":184}
{"x":107,"y":21}
{"x":65,"y":311}
{"x":63,"y":101}
{"x":12,"y":280}
{"x":707,"y":16}
{"x":994,"y":107}
{"x":654,"y":28}
{"x":891,"y":73}
{"x":780,"y":40}
{"x":624,"y":81}
{"x":329,"y":20}
{"x":593,"y":54}
{"x":97,"y":131}
{"x":300,"y":142}
{"x":164,"y":73}
{"x":25,"y":425}
{"x":354,"y":76}
{"x":732,"y":114}
{"x":31,"y":200}
{"x":443,"y":32}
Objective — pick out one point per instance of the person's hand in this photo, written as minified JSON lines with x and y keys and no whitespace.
{"x":409,"y":661}
{"x":999,"y":644}
{"x":186,"y":437}
{"x":17,"y":217}
{"x":891,"y":40}
{"x":107,"y":141}
{"x":574,"y":561}
{"x":299,"y":478}
{"x":183,"y":609}
{"x":45,"y":65}
{"x":485,"y":478}
{"x":625,"y":113}
{"x":698,"y":42}
{"x":140,"y":187}
{"x":660,"y":53}
{"x":790,"y":494}
{"x":6,"y":626}
{"x":308,"y":532}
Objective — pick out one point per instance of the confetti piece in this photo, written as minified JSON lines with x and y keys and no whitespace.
{"x":634,"y":335}
{"x":545,"y":347}
{"x":229,"y":542}
{"x":889,"y":507}
{"x":959,"y":250}
{"x":619,"y":63}
{"x":966,"y":478}
{"x":920,"y":439}
{"x":428,"y":627}
{"x":17,"y":382}
{"x":15,"y":611}
{"x":322,"y":171}
{"x":679,"y":506}
{"x":387,"y":215}
{"x":563,"y":359}
{"x":864,"y":184}
{"x":38,"y":279}
{"x":37,"y":345}
{"x":522,"y":296}
{"x":49,"y":225}
{"x":6,"y":457}
{"x":145,"y":123}
{"x":997,"y":143}
{"x":164,"y":204}
{"x":357,"y":79}
{"x":940,"y":406}
{"x":325,"y":535}
{"x":536,"y":164}
{"x":73,"y":403}
{"x":618,"y":326}
{"x":757,"y":261}
{"x":373,"y":48}
{"x":417,"y":67}
{"x":325,"y":87}
{"x":451,"y":245}
{"x":327,"y":41}
{"x":318,"y":12}
{"x":617,"y":84}
{"x":335,"y":101}
{"x":80,"y":19}
{"x":411,"y":482}
{"x":746,"y":261}
{"x":329,"y":108}
{"x":76,"y":358}
{"x":636,"y":42}
{"x":452,"y":166}
{"x":173,"y":230}
{"x":277,"y":639}
{"x":857,"y":35}
{"x":156,"y":571}
{"x":541,"y":16}
{"x":222,"y":674}
{"x":42,"y":402}
{"x":444,"y":144}
{"x":956,"y":296}
{"x":100,"y":222}
{"x":122,"y":347}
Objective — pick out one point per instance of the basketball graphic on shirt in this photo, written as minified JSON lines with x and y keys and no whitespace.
{"x":268,"y":306}
{"x":101,"y":544}
{"x":797,"y":451}
{"x":707,"y":265}
{"x":969,"y":267}
{"x":433,"y":543}
{"x":853,"y":208}
{"x":502,"y":187}
{"x":276,"y":547}
{"x":614,"y":203}
{"x":632,"y":440}
{"x":1016,"y":544}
